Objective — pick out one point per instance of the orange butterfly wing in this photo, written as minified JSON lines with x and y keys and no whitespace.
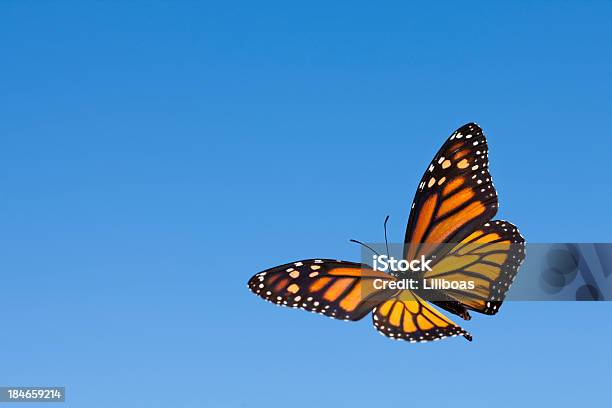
{"x":338,"y":289}
{"x":454,"y":198}
{"x":489,"y":257}
{"x":455,"y":195}
{"x":408,"y":317}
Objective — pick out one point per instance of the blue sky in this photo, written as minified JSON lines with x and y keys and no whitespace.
{"x":155,"y":155}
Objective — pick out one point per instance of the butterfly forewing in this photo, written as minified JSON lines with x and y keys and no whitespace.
{"x":455,"y":195}
{"x":338,"y":289}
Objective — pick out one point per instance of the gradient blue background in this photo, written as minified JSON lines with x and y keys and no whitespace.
{"x":153,"y":156}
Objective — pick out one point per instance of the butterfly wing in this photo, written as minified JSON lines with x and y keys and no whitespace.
{"x":408,"y":317}
{"x":455,"y":195}
{"x":490,"y":258}
{"x":338,"y":289}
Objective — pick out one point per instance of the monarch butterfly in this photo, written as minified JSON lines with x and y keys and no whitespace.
{"x":454,"y":203}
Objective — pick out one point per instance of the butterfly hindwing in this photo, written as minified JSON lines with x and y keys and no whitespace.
{"x":455,"y":195}
{"x":489,"y":257}
{"x":338,"y":289}
{"x":408,"y":317}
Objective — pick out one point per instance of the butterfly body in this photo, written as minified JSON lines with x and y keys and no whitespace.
{"x":450,"y":224}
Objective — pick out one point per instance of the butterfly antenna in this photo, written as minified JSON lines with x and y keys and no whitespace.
{"x":386,"y":242}
{"x":361,"y":243}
